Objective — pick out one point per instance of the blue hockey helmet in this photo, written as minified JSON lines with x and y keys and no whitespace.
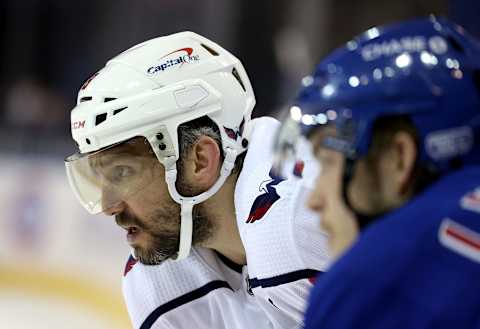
{"x":427,"y":69}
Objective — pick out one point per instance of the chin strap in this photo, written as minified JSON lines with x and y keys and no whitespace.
{"x":187,"y":203}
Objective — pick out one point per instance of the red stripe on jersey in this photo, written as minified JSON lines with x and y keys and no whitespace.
{"x":463,"y":236}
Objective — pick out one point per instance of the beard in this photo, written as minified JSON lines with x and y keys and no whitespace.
{"x":162,"y":231}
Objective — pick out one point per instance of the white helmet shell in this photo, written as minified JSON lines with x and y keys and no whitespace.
{"x":158,"y":85}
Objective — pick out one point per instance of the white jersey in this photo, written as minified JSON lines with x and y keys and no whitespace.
{"x":284,"y":248}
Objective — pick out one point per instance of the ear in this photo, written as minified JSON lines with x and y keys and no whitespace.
{"x":205,"y":162}
{"x":404,"y":156}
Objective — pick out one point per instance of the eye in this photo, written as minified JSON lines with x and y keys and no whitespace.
{"x":120,"y":173}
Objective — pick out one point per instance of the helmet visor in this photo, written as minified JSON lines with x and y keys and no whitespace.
{"x":294,"y":138}
{"x":103,"y":179}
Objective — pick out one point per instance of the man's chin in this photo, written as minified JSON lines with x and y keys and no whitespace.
{"x":150,"y":257}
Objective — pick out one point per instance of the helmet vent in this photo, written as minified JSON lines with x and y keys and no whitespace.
{"x":85,"y":99}
{"x":210,"y":50}
{"x":455,"y":44}
{"x":100,"y":118}
{"x":108,"y":99}
{"x":237,"y":76}
{"x":119,"y":110}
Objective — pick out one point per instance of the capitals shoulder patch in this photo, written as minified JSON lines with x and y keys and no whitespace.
{"x":460,"y":239}
{"x":265,"y":201}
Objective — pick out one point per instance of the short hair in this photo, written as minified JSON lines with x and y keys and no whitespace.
{"x":190,"y":132}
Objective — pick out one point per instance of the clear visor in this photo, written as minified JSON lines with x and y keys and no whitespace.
{"x":287,"y":146}
{"x":102,"y":180}
{"x":294,"y":154}
{"x":301,"y":133}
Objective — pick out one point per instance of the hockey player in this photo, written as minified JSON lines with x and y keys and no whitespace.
{"x":393,"y":119}
{"x":167,"y":146}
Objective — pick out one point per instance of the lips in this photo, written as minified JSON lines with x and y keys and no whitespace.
{"x":132,"y":225}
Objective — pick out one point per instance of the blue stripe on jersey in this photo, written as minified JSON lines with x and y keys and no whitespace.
{"x":282,"y":279}
{"x":184,"y":299}
{"x":230,"y":264}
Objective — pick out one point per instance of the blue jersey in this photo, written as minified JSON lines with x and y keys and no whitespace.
{"x":418,"y":267}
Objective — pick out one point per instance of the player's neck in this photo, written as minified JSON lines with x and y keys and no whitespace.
{"x":226,"y":239}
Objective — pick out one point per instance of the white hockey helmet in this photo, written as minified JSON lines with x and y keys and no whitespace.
{"x":149,"y":90}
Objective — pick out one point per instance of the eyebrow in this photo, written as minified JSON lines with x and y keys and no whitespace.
{"x":107,"y":160}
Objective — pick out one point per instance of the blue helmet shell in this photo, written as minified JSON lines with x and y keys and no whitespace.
{"x":427,"y":69}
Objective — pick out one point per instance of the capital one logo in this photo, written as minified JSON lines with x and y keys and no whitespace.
{"x":180,"y":57}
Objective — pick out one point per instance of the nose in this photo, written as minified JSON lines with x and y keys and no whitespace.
{"x":111,"y":203}
{"x":114,"y":209}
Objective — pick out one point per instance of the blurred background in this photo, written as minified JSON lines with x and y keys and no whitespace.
{"x":60,"y":267}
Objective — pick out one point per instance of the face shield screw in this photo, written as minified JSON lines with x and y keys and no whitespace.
{"x":162,"y":147}
{"x":159,"y":136}
{"x":244,"y":143}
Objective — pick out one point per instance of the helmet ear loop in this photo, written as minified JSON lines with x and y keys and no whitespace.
{"x":187,"y":203}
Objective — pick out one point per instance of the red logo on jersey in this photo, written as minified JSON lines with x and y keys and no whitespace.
{"x":298,"y":168}
{"x":130,"y":263}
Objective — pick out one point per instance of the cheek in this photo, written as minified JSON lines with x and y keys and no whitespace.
{"x":347,"y":225}
{"x":363,"y":190}
{"x":332,"y":181}
{"x":324,"y":188}
{"x":344,"y":230}
{"x":326,"y":198}
{"x":143,"y":202}
{"x":156,"y":192}
{"x":152,"y":201}
{"x":340,"y":217}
